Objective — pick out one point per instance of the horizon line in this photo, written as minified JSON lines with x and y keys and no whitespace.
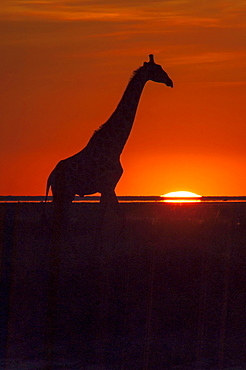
{"x":77,"y":197}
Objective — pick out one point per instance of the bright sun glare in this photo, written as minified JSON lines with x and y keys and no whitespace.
{"x":181,"y":194}
{"x":181,"y":197}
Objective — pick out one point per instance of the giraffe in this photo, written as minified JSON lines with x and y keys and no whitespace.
{"x":97,"y":167}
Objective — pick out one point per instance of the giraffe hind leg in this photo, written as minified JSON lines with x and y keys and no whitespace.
{"x":61,"y":215}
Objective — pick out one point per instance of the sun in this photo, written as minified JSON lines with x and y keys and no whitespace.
{"x":181,"y":194}
{"x":181,"y":197}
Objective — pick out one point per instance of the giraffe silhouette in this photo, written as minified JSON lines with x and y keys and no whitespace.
{"x":97,"y":167}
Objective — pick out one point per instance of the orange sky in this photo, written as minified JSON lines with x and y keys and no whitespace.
{"x":64,"y":67}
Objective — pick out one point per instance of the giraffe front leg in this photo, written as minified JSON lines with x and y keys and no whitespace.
{"x":111,"y":221}
{"x":109,"y":204}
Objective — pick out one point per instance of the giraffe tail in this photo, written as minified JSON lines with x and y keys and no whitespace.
{"x":47,"y":191}
{"x":48,"y":185}
{"x":44,"y":218}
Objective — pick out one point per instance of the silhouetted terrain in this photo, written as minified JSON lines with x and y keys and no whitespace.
{"x":166,"y":293}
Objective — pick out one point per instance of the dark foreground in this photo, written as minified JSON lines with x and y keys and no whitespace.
{"x":166,"y":293}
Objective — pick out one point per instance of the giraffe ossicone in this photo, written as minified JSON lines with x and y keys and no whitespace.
{"x":151,"y":58}
{"x":97,"y":167}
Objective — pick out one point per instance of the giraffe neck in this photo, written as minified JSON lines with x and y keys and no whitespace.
{"x":111,"y":137}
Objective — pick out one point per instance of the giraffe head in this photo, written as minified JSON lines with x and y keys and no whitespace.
{"x":156,"y":73}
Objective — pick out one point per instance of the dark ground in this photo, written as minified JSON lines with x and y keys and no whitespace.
{"x":166,"y":293}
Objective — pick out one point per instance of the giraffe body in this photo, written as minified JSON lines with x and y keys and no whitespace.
{"x":97,"y":167}
{"x":70,"y":176}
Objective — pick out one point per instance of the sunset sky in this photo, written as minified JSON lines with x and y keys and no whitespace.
{"x":65,"y":65}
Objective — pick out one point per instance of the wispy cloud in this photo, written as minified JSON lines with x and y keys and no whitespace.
{"x":175,"y":25}
{"x":172,"y":11}
{"x":209,"y":57}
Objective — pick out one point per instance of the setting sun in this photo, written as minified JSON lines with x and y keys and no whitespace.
{"x":181,"y":197}
{"x":181,"y":194}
